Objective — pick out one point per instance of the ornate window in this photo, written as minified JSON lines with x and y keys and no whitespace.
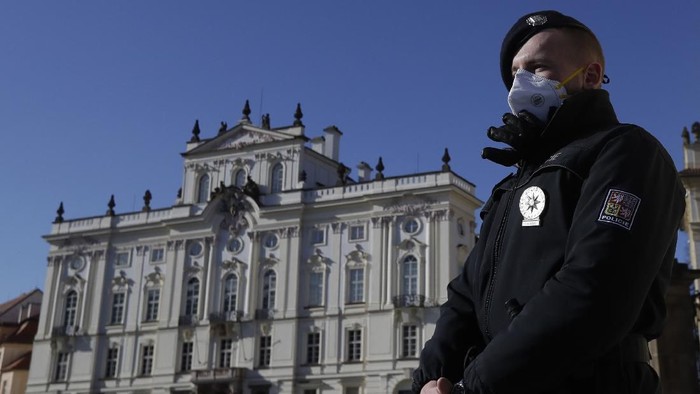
{"x":152,"y":303}
{"x":277,"y":178}
{"x":269,"y":289}
{"x":111,"y":362}
{"x":192,"y":297}
{"x":356,"y":285}
{"x":230,"y":292}
{"x":118,"y":302}
{"x":411,"y":225}
{"x":316,"y":288}
{"x":203,"y":189}
{"x":409,"y":275}
{"x":71,"y":309}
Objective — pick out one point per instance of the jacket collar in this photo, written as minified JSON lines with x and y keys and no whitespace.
{"x":582,"y":114}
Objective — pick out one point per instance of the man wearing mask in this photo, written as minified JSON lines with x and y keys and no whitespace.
{"x":566,"y":284}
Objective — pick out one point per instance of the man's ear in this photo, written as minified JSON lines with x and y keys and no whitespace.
{"x":593,"y":76}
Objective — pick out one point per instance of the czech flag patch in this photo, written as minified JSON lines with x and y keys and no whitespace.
{"x":620,"y":208}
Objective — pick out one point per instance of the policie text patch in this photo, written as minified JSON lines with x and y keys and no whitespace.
{"x":619,"y":208}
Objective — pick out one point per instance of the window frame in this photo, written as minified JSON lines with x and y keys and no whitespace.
{"x":61,"y":367}
{"x":269,"y":290}
{"x":277,"y":178}
{"x":353,"y":345}
{"x":152,"y":309}
{"x":356,"y":285}
{"x":230,"y":298}
{"x":70,"y":309}
{"x":353,"y":237}
{"x":147,"y":359}
{"x":157,"y":255}
{"x":192,"y":290}
{"x":409,"y":341}
{"x":313,"y":348}
{"x":127,"y":260}
{"x":111,"y":362}
{"x":117,"y":315}
{"x":264,"y":351}
{"x":186,"y":356}
{"x":225,"y":352}
{"x":314,"y":236}
{"x":410,"y":275}
{"x":203,"y":189}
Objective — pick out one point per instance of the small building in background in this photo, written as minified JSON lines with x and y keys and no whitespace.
{"x":19,"y":318}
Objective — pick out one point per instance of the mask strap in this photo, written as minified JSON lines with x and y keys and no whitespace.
{"x":570,"y":77}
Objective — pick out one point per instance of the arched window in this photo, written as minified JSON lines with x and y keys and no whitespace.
{"x":409,"y":276}
{"x":269,"y":289}
{"x":203,"y":189}
{"x":277,"y":178}
{"x":239,"y":178}
{"x":71,"y":310}
{"x":230,"y":292}
{"x":192,"y":297}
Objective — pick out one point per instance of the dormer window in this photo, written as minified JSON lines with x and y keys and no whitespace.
{"x":203,"y":189}
{"x":276,"y":178}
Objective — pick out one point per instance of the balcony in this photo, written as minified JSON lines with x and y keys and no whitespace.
{"x":220,"y":380}
{"x":264,"y":314}
{"x":65,"y":331}
{"x":408,"y":300}
{"x":187,"y":320}
{"x":225,"y":317}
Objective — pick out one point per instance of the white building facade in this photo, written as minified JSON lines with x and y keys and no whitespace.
{"x":274,"y":272}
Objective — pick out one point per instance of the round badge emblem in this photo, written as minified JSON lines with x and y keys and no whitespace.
{"x":536,"y":20}
{"x":532,"y":203}
{"x":537,"y":100}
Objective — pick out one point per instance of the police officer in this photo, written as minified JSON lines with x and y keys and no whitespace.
{"x":566,"y":284}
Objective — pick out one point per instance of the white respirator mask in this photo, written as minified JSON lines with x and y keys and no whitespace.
{"x":536,"y":94}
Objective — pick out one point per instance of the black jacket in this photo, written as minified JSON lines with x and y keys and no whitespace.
{"x":591,"y":273}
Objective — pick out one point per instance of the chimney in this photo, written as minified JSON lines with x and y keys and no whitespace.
{"x":332,"y":136}
{"x":317,"y":145}
{"x":364,"y":172}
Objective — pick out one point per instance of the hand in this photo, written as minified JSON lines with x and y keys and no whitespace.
{"x":520,"y":132}
{"x":440,"y":386}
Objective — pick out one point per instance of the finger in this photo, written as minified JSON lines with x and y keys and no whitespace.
{"x":444,"y":386}
{"x":504,"y":157}
{"x":429,"y":388}
{"x":502,"y":134}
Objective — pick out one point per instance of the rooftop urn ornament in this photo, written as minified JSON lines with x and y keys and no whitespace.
{"x":59,"y":214}
{"x":266,"y":122}
{"x":343,"y":172}
{"x":446,"y":160}
{"x":246,"y":113}
{"x":298,"y":115}
{"x":179,"y":193}
{"x":111,"y":205}
{"x":195,"y":132}
{"x":379,"y":167}
{"x":147,"y":201}
{"x":685,"y":135}
{"x":695,"y":129}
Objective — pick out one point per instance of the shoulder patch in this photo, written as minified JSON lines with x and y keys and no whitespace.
{"x":619,"y":208}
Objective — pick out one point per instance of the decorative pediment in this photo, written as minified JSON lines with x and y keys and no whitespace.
{"x":233,"y":265}
{"x":120,"y":281}
{"x":410,"y":245}
{"x":410,"y":205}
{"x":155,"y":278}
{"x":75,"y":282}
{"x":357,"y":256}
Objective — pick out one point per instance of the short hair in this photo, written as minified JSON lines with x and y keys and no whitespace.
{"x":586,"y":44}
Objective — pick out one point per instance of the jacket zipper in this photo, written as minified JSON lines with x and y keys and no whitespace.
{"x":496,"y":249}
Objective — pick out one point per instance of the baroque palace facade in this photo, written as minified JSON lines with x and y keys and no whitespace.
{"x":274,"y":272}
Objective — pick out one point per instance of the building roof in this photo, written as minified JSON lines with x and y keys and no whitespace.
{"x":25,"y":332}
{"x":21,"y":363}
{"x":689,"y":172}
{"x":7,"y":306}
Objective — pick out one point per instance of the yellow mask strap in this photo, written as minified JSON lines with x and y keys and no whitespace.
{"x":570,"y":77}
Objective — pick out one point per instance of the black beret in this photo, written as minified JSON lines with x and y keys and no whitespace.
{"x":526,"y":27}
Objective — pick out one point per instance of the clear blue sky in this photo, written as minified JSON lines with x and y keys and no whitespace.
{"x":99,"y":97}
